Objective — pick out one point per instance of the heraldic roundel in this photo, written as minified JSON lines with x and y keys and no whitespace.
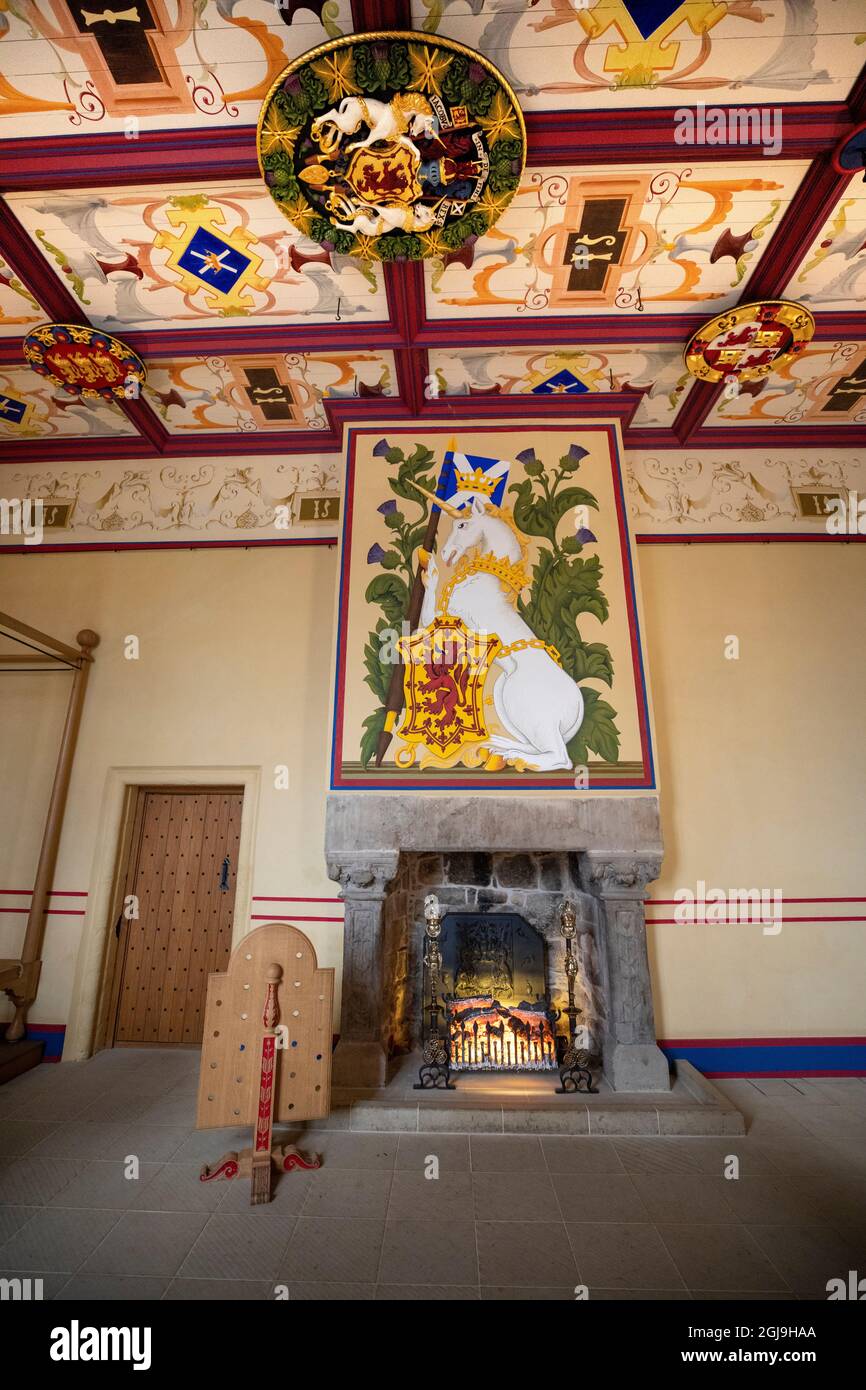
{"x":84,"y":361}
{"x":750,"y":341}
{"x":392,"y":146}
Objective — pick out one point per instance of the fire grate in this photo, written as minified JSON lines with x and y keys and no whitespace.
{"x":486,"y":1035}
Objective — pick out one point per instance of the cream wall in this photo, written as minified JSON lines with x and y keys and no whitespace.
{"x":762,"y":760}
{"x":763,"y":767}
{"x":235,"y":649}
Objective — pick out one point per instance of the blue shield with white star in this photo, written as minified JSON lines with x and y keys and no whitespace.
{"x":563,"y":383}
{"x":454,"y":485}
{"x":213,"y":261}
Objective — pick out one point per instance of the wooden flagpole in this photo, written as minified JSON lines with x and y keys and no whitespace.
{"x":395,"y":690}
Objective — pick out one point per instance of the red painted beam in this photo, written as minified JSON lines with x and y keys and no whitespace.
{"x":33,"y":270}
{"x":553,"y":138}
{"x":605,"y":137}
{"x":370,"y":15}
{"x":801,"y":223}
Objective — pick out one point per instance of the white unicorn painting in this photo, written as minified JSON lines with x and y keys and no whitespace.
{"x":538,"y":704}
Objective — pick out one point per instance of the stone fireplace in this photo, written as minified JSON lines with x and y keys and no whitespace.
{"x":483,"y":856}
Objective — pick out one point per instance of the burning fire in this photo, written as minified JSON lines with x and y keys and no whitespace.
{"x":487,"y":1035}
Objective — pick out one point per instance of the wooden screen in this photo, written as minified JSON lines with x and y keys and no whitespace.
{"x":231,"y":1055}
{"x":182,"y":870}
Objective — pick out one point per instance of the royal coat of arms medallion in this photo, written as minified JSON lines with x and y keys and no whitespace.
{"x":392,"y":146}
{"x":84,"y":361}
{"x":750,"y":342}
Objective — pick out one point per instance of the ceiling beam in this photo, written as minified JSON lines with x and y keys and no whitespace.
{"x":553,"y":138}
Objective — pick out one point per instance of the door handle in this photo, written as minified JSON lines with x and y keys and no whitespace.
{"x":224,"y":875}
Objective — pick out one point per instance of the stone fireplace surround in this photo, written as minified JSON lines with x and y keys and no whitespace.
{"x":484,"y":852}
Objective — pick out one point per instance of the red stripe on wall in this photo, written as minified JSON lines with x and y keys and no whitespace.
{"x":761,"y":1042}
{"x":266,"y":899}
{"x":282,"y":917}
{"x":676,"y":902}
{"x":741,"y":921}
{"x":28,"y":893}
{"x":50,"y":911}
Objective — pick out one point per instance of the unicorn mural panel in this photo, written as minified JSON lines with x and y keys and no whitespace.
{"x":488,"y":622}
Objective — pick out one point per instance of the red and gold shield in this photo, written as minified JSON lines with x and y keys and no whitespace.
{"x":750,"y":342}
{"x":386,"y":174}
{"x":445,"y":667}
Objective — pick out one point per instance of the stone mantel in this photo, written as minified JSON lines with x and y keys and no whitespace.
{"x":618,"y":848}
{"x":371,"y":822}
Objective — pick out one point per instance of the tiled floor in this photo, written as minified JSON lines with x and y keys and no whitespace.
{"x":508,"y":1217}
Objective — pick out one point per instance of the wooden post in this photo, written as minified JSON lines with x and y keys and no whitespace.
{"x":23,"y":992}
{"x":261,"y":1157}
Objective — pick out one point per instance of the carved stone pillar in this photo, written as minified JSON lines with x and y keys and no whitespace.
{"x":632,"y":1059}
{"x":359,"y":1058}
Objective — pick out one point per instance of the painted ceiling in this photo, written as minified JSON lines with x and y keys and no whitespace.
{"x":118,"y":158}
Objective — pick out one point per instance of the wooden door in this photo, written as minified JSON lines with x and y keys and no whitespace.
{"x":182,"y":869}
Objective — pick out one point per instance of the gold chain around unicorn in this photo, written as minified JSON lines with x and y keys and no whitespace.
{"x":513,"y":576}
{"x":523,"y":643}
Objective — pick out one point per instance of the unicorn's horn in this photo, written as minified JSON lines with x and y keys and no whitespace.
{"x":440,"y":502}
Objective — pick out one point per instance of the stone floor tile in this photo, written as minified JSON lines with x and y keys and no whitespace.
{"x":415,"y":1196}
{"x":515,"y":1197}
{"x":607,"y":1197}
{"x":685,"y":1197}
{"x":507,"y":1153}
{"x":107,"y":1288}
{"x":239,"y":1245}
{"x":329,"y":1250}
{"x":720,"y":1257}
{"x":147,"y":1243}
{"x":436,"y":1252}
{"x":450,"y":1150}
{"x":630,"y":1255}
{"x":808,"y":1256}
{"x":348,"y":1192}
{"x":525,"y":1253}
{"x":56,"y":1239}
{"x":581,"y":1155}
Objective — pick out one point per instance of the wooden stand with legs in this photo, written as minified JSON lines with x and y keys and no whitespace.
{"x":278,"y":1071}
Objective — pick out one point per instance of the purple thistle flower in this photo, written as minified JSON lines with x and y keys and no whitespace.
{"x":375,"y":555}
{"x":526,"y":456}
{"x":584,"y":535}
{"x":381,"y":449}
{"x":576,"y":454}
{"x":387,"y":507}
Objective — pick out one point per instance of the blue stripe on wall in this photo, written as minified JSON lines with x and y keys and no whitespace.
{"x":52,"y":1036}
{"x":795,"y":1059}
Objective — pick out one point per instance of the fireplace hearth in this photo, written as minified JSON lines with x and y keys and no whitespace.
{"x":484,"y":856}
{"x":493,"y":982}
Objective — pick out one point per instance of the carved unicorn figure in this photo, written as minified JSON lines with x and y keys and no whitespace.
{"x":407,"y":114}
{"x":538,"y":704}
